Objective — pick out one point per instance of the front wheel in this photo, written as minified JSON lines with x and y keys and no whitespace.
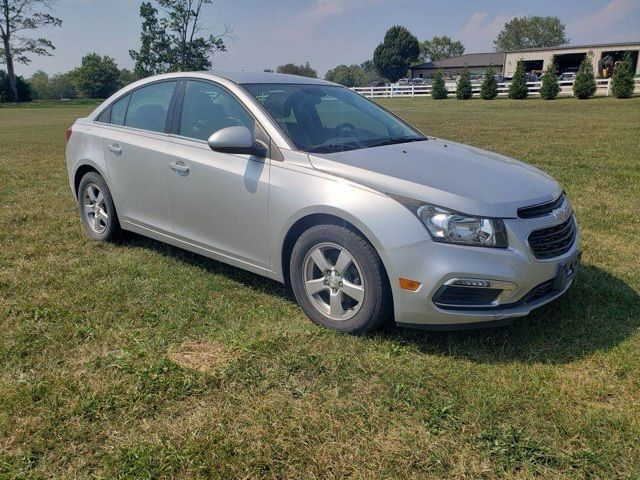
{"x":338,"y":280}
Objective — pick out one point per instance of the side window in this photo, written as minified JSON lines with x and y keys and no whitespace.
{"x":105,"y":116}
{"x":119,"y":110}
{"x":149,"y":106}
{"x":208,"y":108}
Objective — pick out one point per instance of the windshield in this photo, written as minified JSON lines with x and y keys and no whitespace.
{"x":325,"y":119}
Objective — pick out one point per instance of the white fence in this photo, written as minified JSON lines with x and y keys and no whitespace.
{"x":566,"y":89}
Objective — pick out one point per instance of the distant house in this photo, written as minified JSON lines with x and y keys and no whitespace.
{"x":474,"y":62}
{"x":567,"y":58}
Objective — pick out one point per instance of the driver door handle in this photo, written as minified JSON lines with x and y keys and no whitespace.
{"x":115,"y":149}
{"x":180,"y":168}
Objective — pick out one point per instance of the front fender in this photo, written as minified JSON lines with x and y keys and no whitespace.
{"x":297,"y":193}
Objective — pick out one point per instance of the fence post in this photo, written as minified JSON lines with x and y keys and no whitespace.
{"x":413,"y":90}
{"x":391,"y":96}
{"x":371,"y":92}
{"x":608,"y":87}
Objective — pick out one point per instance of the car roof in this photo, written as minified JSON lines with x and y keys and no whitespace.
{"x":268,"y":77}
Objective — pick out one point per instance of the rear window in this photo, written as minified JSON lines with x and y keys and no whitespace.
{"x":119,"y":110}
{"x":149,"y":106}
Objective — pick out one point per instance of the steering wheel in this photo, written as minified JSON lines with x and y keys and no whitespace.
{"x":344,"y":125}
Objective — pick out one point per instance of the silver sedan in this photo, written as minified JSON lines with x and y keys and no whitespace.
{"x":306,"y":182}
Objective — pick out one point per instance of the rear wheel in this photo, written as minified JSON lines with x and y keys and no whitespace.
{"x":338,"y":279}
{"x":97,"y":210}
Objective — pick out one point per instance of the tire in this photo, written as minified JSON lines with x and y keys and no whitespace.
{"x":97,"y":211}
{"x":350,"y":293}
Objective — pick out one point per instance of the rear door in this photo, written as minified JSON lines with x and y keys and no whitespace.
{"x":217,"y":200}
{"x":135,"y":143}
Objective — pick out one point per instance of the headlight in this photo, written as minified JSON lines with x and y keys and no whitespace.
{"x":453,"y":227}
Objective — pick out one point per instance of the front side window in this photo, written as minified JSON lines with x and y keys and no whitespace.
{"x":208,"y":108}
{"x":149,"y":106}
{"x":325,"y":119}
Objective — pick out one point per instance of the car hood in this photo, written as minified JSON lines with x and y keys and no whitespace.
{"x":448,"y":174}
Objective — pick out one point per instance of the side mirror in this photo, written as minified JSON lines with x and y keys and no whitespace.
{"x":237,"y":139}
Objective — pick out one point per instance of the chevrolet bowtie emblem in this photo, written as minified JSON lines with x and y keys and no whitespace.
{"x":561,"y":214}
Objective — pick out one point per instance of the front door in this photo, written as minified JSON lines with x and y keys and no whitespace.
{"x":218,"y":201}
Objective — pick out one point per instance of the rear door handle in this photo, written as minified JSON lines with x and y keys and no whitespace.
{"x":115,"y":149}
{"x":180,"y":168}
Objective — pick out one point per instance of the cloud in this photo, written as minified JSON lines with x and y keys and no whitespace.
{"x":480,"y":31}
{"x":305,"y":23}
{"x":601,"y":25}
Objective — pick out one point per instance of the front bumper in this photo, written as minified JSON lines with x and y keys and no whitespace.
{"x":433,"y":264}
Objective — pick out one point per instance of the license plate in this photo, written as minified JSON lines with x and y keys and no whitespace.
{"x":568,"y":270}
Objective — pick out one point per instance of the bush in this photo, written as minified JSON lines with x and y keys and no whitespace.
{"x":24,"y":89}
{"x":550,"y":87}
{"x":464,"y":90}
{"x":489,"y":87}
{"x":439,"y":89}
{"x":518,"y":88}
{"x":622,"y":83}
{"x":585,"y":83}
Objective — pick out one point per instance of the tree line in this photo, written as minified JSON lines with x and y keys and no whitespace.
{"x":172,"y":38}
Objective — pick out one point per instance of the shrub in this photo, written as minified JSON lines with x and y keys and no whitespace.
{"x":518,"y":88}
{"x":464,"y":90}
{"x":622,"y":83}
{"x":489,"y":87}
{"x":439,"y":90}
{"x":585,"y":83}
{"x":550,"y":87}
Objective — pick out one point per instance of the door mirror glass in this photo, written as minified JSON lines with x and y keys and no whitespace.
{"x":237,"y":139}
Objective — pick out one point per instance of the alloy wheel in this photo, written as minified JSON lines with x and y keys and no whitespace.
{"x":95,"y":208}
{"x":333,"y":281}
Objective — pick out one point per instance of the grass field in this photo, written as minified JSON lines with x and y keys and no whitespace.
{"x":137,"y":360}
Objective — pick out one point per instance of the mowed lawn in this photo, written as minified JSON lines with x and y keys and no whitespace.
{"x":138,"y":360}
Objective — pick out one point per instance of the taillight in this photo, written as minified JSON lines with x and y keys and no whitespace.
{"x":68,"y":133}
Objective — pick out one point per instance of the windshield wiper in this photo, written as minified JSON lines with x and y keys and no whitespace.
{"x":396,"y":140}
{"x":331,"y":148}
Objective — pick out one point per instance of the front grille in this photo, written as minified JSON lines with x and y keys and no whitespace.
{"x":538,"y":292}
{"x":553,"y":241}
{"x":541,"y":209}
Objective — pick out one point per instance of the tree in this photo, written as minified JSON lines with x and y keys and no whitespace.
{"x":439,"y":88}
{"x":489,"y":87}
{"x":584,"y":85}
{"x":440,"y":48}
{"x":550,"y":87}
{"x":531,"y":32}
{"x":370,"y":72}
{"x":96,"y":77}
{"x":62,"y":86}
{"x":126,"y":77}
{"x":463,"y":89}
{"x":23,"y":88}
{"x":16,"y":17}
{"x":622,"y":83}
{"x":40,"y":85}
{"x":301,"y":70}
{"x":169,"y":39}
{"x":518,"y":88}
{"x":347,"y":75}
{"x":396,"y":53}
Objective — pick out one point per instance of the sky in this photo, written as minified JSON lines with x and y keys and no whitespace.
{"x":326,"y":33}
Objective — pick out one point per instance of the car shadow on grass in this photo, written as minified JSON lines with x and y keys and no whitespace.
{"x":243,"y":277}
{"x":597,"y":313}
